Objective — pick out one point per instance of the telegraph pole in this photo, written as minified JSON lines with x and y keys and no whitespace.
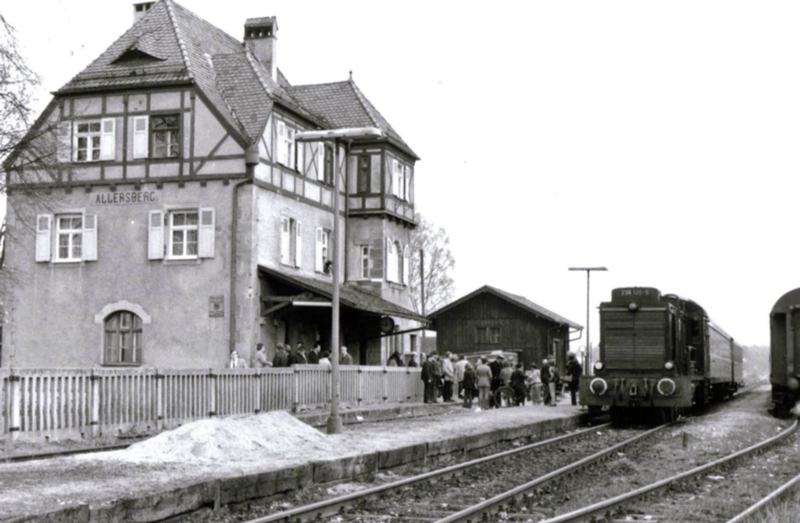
{"x":588,"y":270}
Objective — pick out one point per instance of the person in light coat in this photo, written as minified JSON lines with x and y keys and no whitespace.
{"x":236,"y":362}
{"x":460,"y":365}
{"x":484,"y":375}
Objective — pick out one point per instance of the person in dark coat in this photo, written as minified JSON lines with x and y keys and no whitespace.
{"x":428,"y":375}
{"x":574,"y":371}
{"x":496,"y":366}
{"x":518,"y":384}
{"x":313,"y":356}
{"x":396,"y":358}
{"x":413,"y":361}
{"x":546,"y":382}
{"x":281,"y":358}
{"x":470,"y":385}
{"x":299,"y":357}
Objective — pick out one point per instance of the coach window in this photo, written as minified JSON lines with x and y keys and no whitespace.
{"x":123,"y":339}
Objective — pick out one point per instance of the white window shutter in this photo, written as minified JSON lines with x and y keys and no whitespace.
{"x":140,"y":145}
{"x":298,"y":244}
{"x":391,"y":263}
{"x":108,"y":138}
{"x":205,"y":234}
{"x":290,"y":148}
{"x":90,"y":237}
{"x":155,"y":237}
{"x":321,"y":161}
{"x":64,"y":142}
{"x":286,"y":241}
{"x":281,"y":143}
{"x":301,"y":157}
{"x":44,"y":226}
{"x":407,"y":179}
{"x":319,"y":264}
{"x":405,"y":265}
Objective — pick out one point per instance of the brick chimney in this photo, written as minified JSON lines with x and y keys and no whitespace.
{"x":140,"y":9}
{"x":260,"y":36}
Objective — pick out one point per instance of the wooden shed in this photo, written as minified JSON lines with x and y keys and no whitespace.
{"x":491,"y":319}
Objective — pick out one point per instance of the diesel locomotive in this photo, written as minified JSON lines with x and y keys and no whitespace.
{"x":660,"y":353}
{"x":784,"y":353}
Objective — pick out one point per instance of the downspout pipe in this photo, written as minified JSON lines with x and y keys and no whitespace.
{"x":251,"y":159}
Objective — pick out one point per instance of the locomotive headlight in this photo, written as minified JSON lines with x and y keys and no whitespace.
{"x":633,"y":306}
{"x":669,"y":365}
{"x":793,"y":383}
{"x":666,"y":387}
{"x":598,"y":386}
{"x":598,"y":365}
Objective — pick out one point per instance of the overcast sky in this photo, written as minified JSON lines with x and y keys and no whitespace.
{"x":659,"y":139}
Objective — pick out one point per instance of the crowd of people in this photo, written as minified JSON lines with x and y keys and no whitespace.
{"x":449,"y":377}
{"x":284,"y":357}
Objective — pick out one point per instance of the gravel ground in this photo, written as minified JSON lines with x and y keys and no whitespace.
{"x":40,"y":486}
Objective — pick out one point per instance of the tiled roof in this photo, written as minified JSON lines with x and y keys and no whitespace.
{"x":170,"y":45}
{"x":515,"y":299}
{"x":344,"y":105}
{"x":349,"y":296}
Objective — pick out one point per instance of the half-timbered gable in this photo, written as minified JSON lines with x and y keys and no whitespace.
{"x":182,"y":210}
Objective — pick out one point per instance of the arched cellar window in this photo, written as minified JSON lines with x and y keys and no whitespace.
{"x":123,"y":339}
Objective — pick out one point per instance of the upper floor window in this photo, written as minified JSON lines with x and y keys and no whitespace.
{"x":183,"y":228}
{"x":322,"y":254}
{"x":401,"y":180}
{"x":391,"y":261}
{"x":75,"y":237}
{"x":364,"y":173}
{"x":291,"y":241}
{"x":328,"y":159}
{"x":123,"y":339}
{"x":487,"y":335}
{"x":285,"y":145}
{"x":165,"y":131}
{"x":365,"y":266}
{"x":189,"y":234}
{"x":94,"y":140}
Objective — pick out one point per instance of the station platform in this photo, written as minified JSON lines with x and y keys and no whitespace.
{"x":105,"y":487}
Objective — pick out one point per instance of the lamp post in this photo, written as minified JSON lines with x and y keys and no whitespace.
{"x":588,"y":270}
{"x":336,"y":136}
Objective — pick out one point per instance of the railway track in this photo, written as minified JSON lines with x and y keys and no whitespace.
{"x":465,"y":482}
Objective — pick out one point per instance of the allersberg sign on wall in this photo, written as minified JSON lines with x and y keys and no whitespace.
{"x":125,"y":197}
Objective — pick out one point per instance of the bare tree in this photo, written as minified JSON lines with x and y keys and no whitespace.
{"x":438,"y":266}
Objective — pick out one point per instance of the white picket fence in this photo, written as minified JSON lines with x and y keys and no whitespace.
{"x":92,"y":402}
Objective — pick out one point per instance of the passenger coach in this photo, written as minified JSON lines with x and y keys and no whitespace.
{"x":659,"y":352}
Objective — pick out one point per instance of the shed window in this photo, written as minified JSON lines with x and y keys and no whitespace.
{"x":123,"y":339}
{"x":489,"y":335}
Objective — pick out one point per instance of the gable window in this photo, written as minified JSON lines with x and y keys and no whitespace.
{"x":364,"y":173}
{"x":183,"y":228}
{"x":69,"y":237}
{"x":123,"y":339}
{"x":365,"y":262}
{"x":94,"y":140}
{"x":165,"y":132}
{"x":322,"y":253}
{"x":291,"y":241}
{"x":487,"y":335}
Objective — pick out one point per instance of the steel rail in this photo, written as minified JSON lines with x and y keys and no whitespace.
{"x":775,"y":494}
{"x":604,"y":506}
{"x":332,"y":506}
{"x":476,"y":512}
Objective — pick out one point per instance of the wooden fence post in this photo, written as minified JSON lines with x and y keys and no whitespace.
{"x":259,"y":402}
{"x":159,"y":401}
{"x":15,"y":404}
{"x":212,"y":393}
{"x":385,"y":385}
{"x":95,"y":404}
{"x":295,"y":388}
{"x":408,"y":386}
{"x":360,"y":385}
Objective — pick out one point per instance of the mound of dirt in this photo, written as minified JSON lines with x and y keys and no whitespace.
{"x":272,"y":434}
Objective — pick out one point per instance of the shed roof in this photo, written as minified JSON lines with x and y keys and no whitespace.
{"x":514,"y":299}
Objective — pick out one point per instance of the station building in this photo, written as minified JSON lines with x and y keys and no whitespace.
{"x":182,"y":219}
{"x":489,"y":320}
